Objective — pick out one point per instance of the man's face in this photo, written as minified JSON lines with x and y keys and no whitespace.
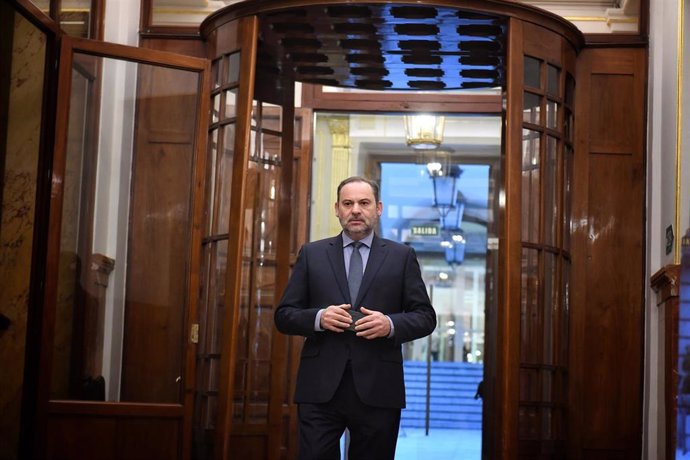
{"x":357,"y":209}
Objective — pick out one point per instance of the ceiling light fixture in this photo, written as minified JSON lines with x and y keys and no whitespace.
{"x":424,"y":131}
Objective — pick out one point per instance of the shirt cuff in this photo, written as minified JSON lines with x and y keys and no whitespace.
{"x":392,"y":333}
{"x":317,"y":321}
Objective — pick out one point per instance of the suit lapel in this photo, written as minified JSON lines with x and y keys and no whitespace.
{"x":337,"y":261}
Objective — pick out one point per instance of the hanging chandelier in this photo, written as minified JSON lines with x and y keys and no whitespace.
{"x":423,"y":131}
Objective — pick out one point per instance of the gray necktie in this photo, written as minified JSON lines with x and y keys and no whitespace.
{"x":354,"y":278}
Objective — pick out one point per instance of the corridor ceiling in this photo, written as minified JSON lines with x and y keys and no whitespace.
{"x":384,"y":46}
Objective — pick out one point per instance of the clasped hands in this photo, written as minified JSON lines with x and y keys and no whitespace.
{"x":374,"y":324}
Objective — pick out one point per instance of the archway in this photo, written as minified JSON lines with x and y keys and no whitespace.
{"x":258,"y":52}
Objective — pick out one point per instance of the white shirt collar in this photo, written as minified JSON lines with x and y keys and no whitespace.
{"x":367,"y":240}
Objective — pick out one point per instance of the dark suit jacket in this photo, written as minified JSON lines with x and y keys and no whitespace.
{"x":392,"y":284}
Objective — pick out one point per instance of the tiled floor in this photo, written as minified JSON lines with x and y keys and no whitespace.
{"x":440,"y":444}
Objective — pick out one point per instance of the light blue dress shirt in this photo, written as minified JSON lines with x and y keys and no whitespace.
{"x":347,"y":253}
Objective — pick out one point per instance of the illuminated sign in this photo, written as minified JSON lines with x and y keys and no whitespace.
{"x":424,"y":230}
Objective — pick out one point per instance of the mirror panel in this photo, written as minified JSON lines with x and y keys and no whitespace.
{"x":22,"y":73}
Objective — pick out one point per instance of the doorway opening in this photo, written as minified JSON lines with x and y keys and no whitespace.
{"x":442,"y":202}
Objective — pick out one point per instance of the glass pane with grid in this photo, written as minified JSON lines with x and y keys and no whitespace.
{"x":531,"y":184}
{"x":547,"y":161}
{"x":212,"y":314}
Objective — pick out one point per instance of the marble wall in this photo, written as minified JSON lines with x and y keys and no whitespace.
{"x":17,"y":213}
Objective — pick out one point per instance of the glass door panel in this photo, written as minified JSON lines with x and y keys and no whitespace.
{"x":546,"y":124}
{"x":126,"y":216}
{"x":251,"y":399}
{"x":260,"y":389}
{"x":123,"y":249}
{"x":251,"y":140}
{"x":215,"y":244}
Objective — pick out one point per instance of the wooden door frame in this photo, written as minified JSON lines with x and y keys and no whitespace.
{"x":507,"y":326}
{"x":45,"y":407}
{"x":314,"y":98}
{"x":494,"y":429}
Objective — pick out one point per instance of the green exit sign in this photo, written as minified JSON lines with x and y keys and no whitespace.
{"x":425,"y":230}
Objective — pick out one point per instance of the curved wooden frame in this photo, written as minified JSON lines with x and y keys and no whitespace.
{"x":521,"y":20}
{"x":498,"y":7}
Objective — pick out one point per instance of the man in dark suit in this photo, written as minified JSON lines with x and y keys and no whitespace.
{"x":351,"y":372}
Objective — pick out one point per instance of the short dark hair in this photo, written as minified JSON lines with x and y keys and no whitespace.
{"x":373,"y":184}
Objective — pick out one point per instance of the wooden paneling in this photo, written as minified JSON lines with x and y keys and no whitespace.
{"x":148,"y":438}
{"x":89,"y":430}
{"x":174,"y":127}
{"x":78,"y":437}
{"x":248,"y":446}
{"x":159,"y":236}
{"x":614,"y":307}
{"x":543,"y":43}
{"x":225,"y":39}
{"x":315,"y":98}
{"x":617,"y":110}
{"x":188,"y":46}
{"x":70,"y":437}
{"x":607,"y":301}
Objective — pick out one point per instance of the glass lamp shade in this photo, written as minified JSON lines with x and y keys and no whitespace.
{"x":455,"y":255}
{"x":453,"y":245}
{"x":445,"y":185}
{"x":423,"y":131}
{"x":448,"y":200}
{"x":437,"y":161}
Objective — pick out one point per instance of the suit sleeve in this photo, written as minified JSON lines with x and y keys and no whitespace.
{"x":418,"y":318}
{"x":294,"y":316}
